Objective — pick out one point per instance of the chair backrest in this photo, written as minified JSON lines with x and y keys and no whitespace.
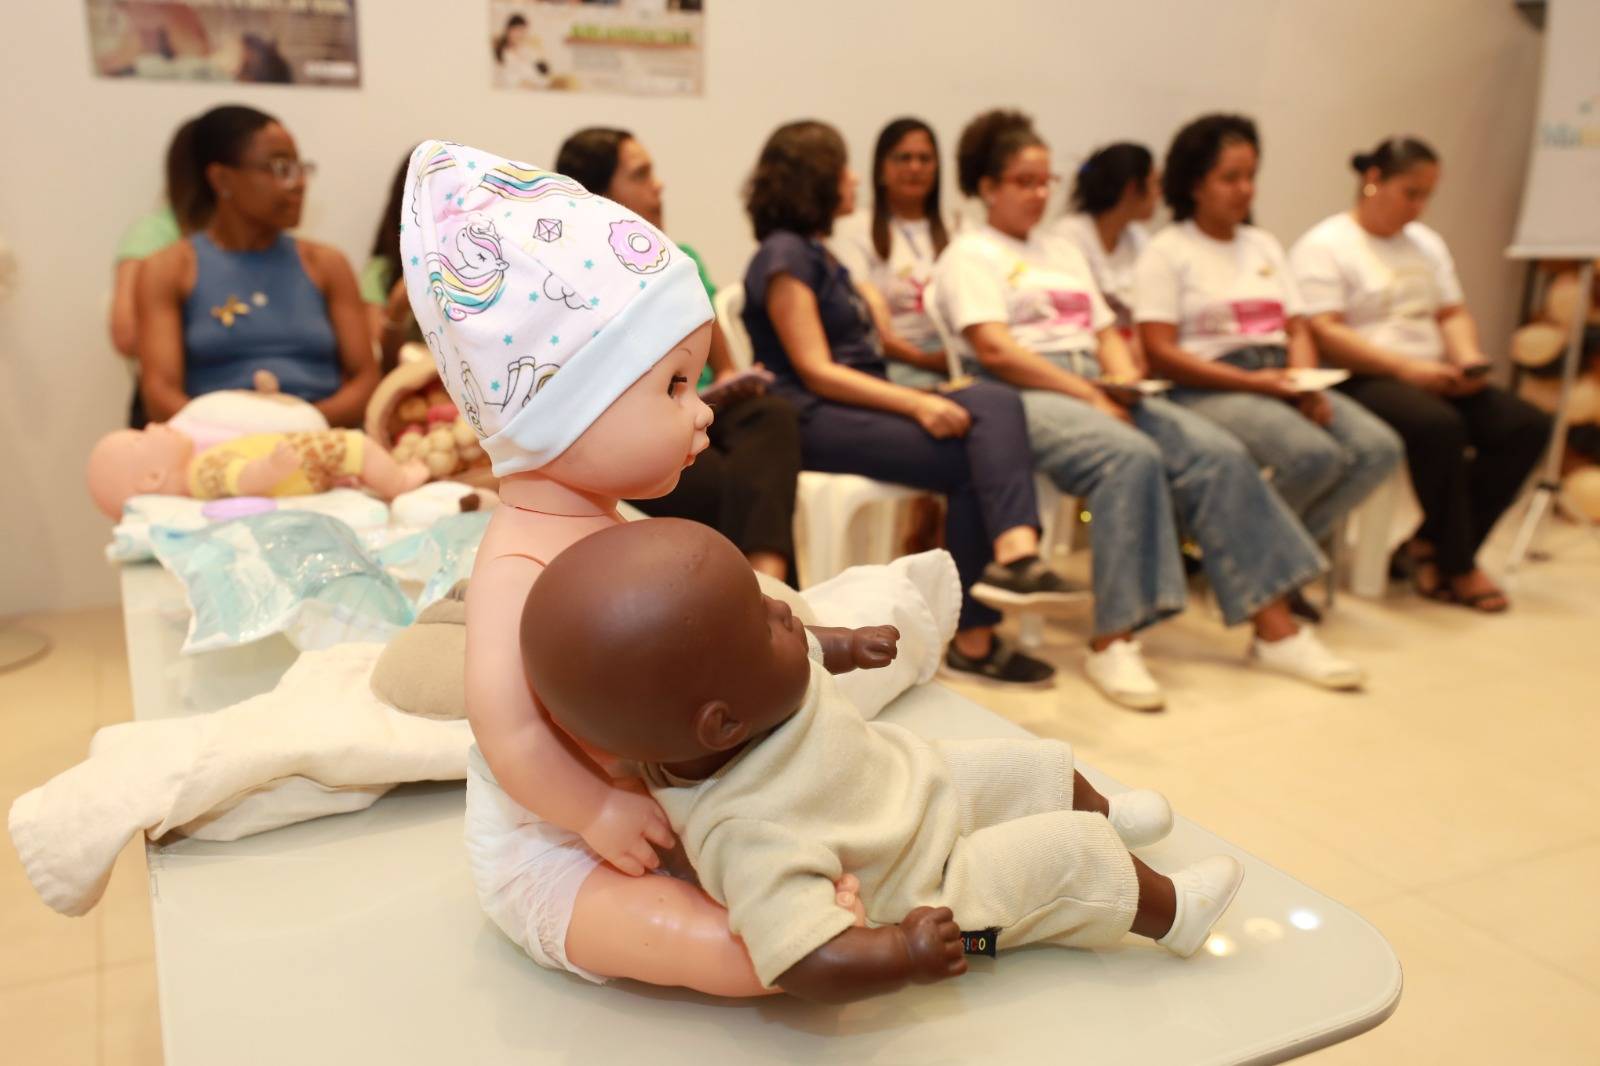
{"x":947,"y":338}
{"x":729,"y":306}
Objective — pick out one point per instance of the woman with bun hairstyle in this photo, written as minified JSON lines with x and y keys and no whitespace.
{"x":1026,"y":311}
{"x":1381,"y":292}
{"x":1114,"y":194}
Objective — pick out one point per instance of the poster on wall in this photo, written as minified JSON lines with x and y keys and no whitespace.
{"x":645,"y":47}
{"x":285,"y":42}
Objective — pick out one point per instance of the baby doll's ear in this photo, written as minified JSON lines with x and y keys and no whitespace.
{"x":717,"y":729}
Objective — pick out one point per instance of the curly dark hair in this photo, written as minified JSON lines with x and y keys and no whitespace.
{"x":795,"y":186}
{"x":590,"y":156}
{"x":1104,"y":176}
{"x":1194,"y":151}
{"x":988,"y":143}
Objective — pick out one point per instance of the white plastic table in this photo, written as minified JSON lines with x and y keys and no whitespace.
{"x":357,"y":939}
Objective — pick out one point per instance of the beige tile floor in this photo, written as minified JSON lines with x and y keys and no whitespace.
{"x":1454,"y":805}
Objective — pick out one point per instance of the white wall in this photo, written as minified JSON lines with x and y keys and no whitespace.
{"x":1323,"y":78}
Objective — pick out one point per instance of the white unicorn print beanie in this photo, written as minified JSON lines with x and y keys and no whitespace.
{"x":541,"y":302}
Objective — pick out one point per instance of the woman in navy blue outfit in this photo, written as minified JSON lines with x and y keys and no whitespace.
{"x":811,"y":328}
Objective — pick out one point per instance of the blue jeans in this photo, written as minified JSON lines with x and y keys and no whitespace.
{"x":1132,"y":477}
{"x":1322,"y":472}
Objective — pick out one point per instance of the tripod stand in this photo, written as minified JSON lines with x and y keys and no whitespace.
{"x":1547,"y":493}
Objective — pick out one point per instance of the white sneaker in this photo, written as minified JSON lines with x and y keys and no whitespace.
{"x":1204,"y":891}
{"x":1120,"y":674}
{"x":1305,"y":657}
{"x":1141,"y":816}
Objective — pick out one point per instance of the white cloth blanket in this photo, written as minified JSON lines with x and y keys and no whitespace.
{"x":319,"y":743}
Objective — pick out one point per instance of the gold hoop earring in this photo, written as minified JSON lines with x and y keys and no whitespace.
{"x":1369,"y":189}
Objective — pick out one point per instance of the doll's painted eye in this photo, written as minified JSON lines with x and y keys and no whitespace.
{"x":672,"y":386}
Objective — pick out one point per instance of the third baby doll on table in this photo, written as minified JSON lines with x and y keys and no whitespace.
{"x":652,"y":641}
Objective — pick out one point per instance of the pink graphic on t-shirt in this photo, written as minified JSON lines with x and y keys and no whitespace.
{"x":1253,"y":317}
{"x":1072,"y":308}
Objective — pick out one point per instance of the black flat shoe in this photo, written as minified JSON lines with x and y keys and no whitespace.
{"x":1003,"y":663}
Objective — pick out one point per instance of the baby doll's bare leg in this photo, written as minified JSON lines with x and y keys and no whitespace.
{"x":1157,"y":902}
{"x":659,"y":930}
{"x":383,"y":475}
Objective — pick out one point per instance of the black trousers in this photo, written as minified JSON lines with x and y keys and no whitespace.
{"x":987,"y":476}
{"x":1461,"y":497}
{"x":743,"y":485}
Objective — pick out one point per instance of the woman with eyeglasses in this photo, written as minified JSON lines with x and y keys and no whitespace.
{"x":890,"y":250}
{"x":240,"y":295}
{"x":1024,"y":304}
{"x":1220,"y":314}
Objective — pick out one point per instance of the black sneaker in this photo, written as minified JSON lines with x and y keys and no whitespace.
{"x":1003,"y":663}
{"x":1026,"y":582}
{"x":1303,"y":608}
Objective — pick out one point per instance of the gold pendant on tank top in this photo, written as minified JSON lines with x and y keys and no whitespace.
{"x":231,"y":309}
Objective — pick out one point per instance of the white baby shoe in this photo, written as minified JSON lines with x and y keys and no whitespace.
{"x":1141,"y":816}
{"x":1204,"y":891}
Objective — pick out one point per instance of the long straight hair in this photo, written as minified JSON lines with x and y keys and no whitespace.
{"x":892,"y":135}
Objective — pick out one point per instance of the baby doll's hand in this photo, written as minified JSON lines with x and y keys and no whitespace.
{"x":872,"y":647}
{"x":933,"y":940}
{"x":847,"y":894}
{"x":284,"y":460}
{"x":624,"y":829}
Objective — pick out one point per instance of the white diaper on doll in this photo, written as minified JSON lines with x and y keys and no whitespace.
{"x":528,"y":872}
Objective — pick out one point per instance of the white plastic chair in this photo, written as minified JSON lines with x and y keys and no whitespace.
{"x":840,"y":520}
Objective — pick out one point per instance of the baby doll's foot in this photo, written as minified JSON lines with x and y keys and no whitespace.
{"x":413,"y":475}
{"x":847,"y":894}
{"x":1141,"y":816}
{"x":265,"y":381}
{"x":1203,"y":891}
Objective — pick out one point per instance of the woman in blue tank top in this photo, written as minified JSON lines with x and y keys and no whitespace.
{"x":242,"y":295}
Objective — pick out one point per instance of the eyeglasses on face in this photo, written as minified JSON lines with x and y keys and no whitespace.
{"x":905,"y":159}
{"x":1031,"y":182}
{"x":284,"y":171}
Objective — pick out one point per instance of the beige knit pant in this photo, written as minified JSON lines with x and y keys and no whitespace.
{"x":1025,"y":861}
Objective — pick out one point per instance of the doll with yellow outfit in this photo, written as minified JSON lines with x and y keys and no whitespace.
{"x":160,"y":459}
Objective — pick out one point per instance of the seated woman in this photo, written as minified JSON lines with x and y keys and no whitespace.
{"x":1220,"y":315}
{"x":810,"y":326}
{"x":176,"y":217}
{"x":1381,"y":291}
{"x":890,"y":250}
{"x":743,"y":485}
{"x":241,"y":295}
{"x":1026,"y":306}
{"x":1114,"y":194}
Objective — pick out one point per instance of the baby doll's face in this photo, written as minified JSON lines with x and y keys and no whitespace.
{"x":645,"y":439}
{"x":768,"y":674}
{"x":652,"y":641}
{"x":137,"y":462}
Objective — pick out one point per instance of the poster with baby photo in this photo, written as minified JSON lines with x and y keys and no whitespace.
{"x":643,"y":47}
{"x":284,"y":42}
